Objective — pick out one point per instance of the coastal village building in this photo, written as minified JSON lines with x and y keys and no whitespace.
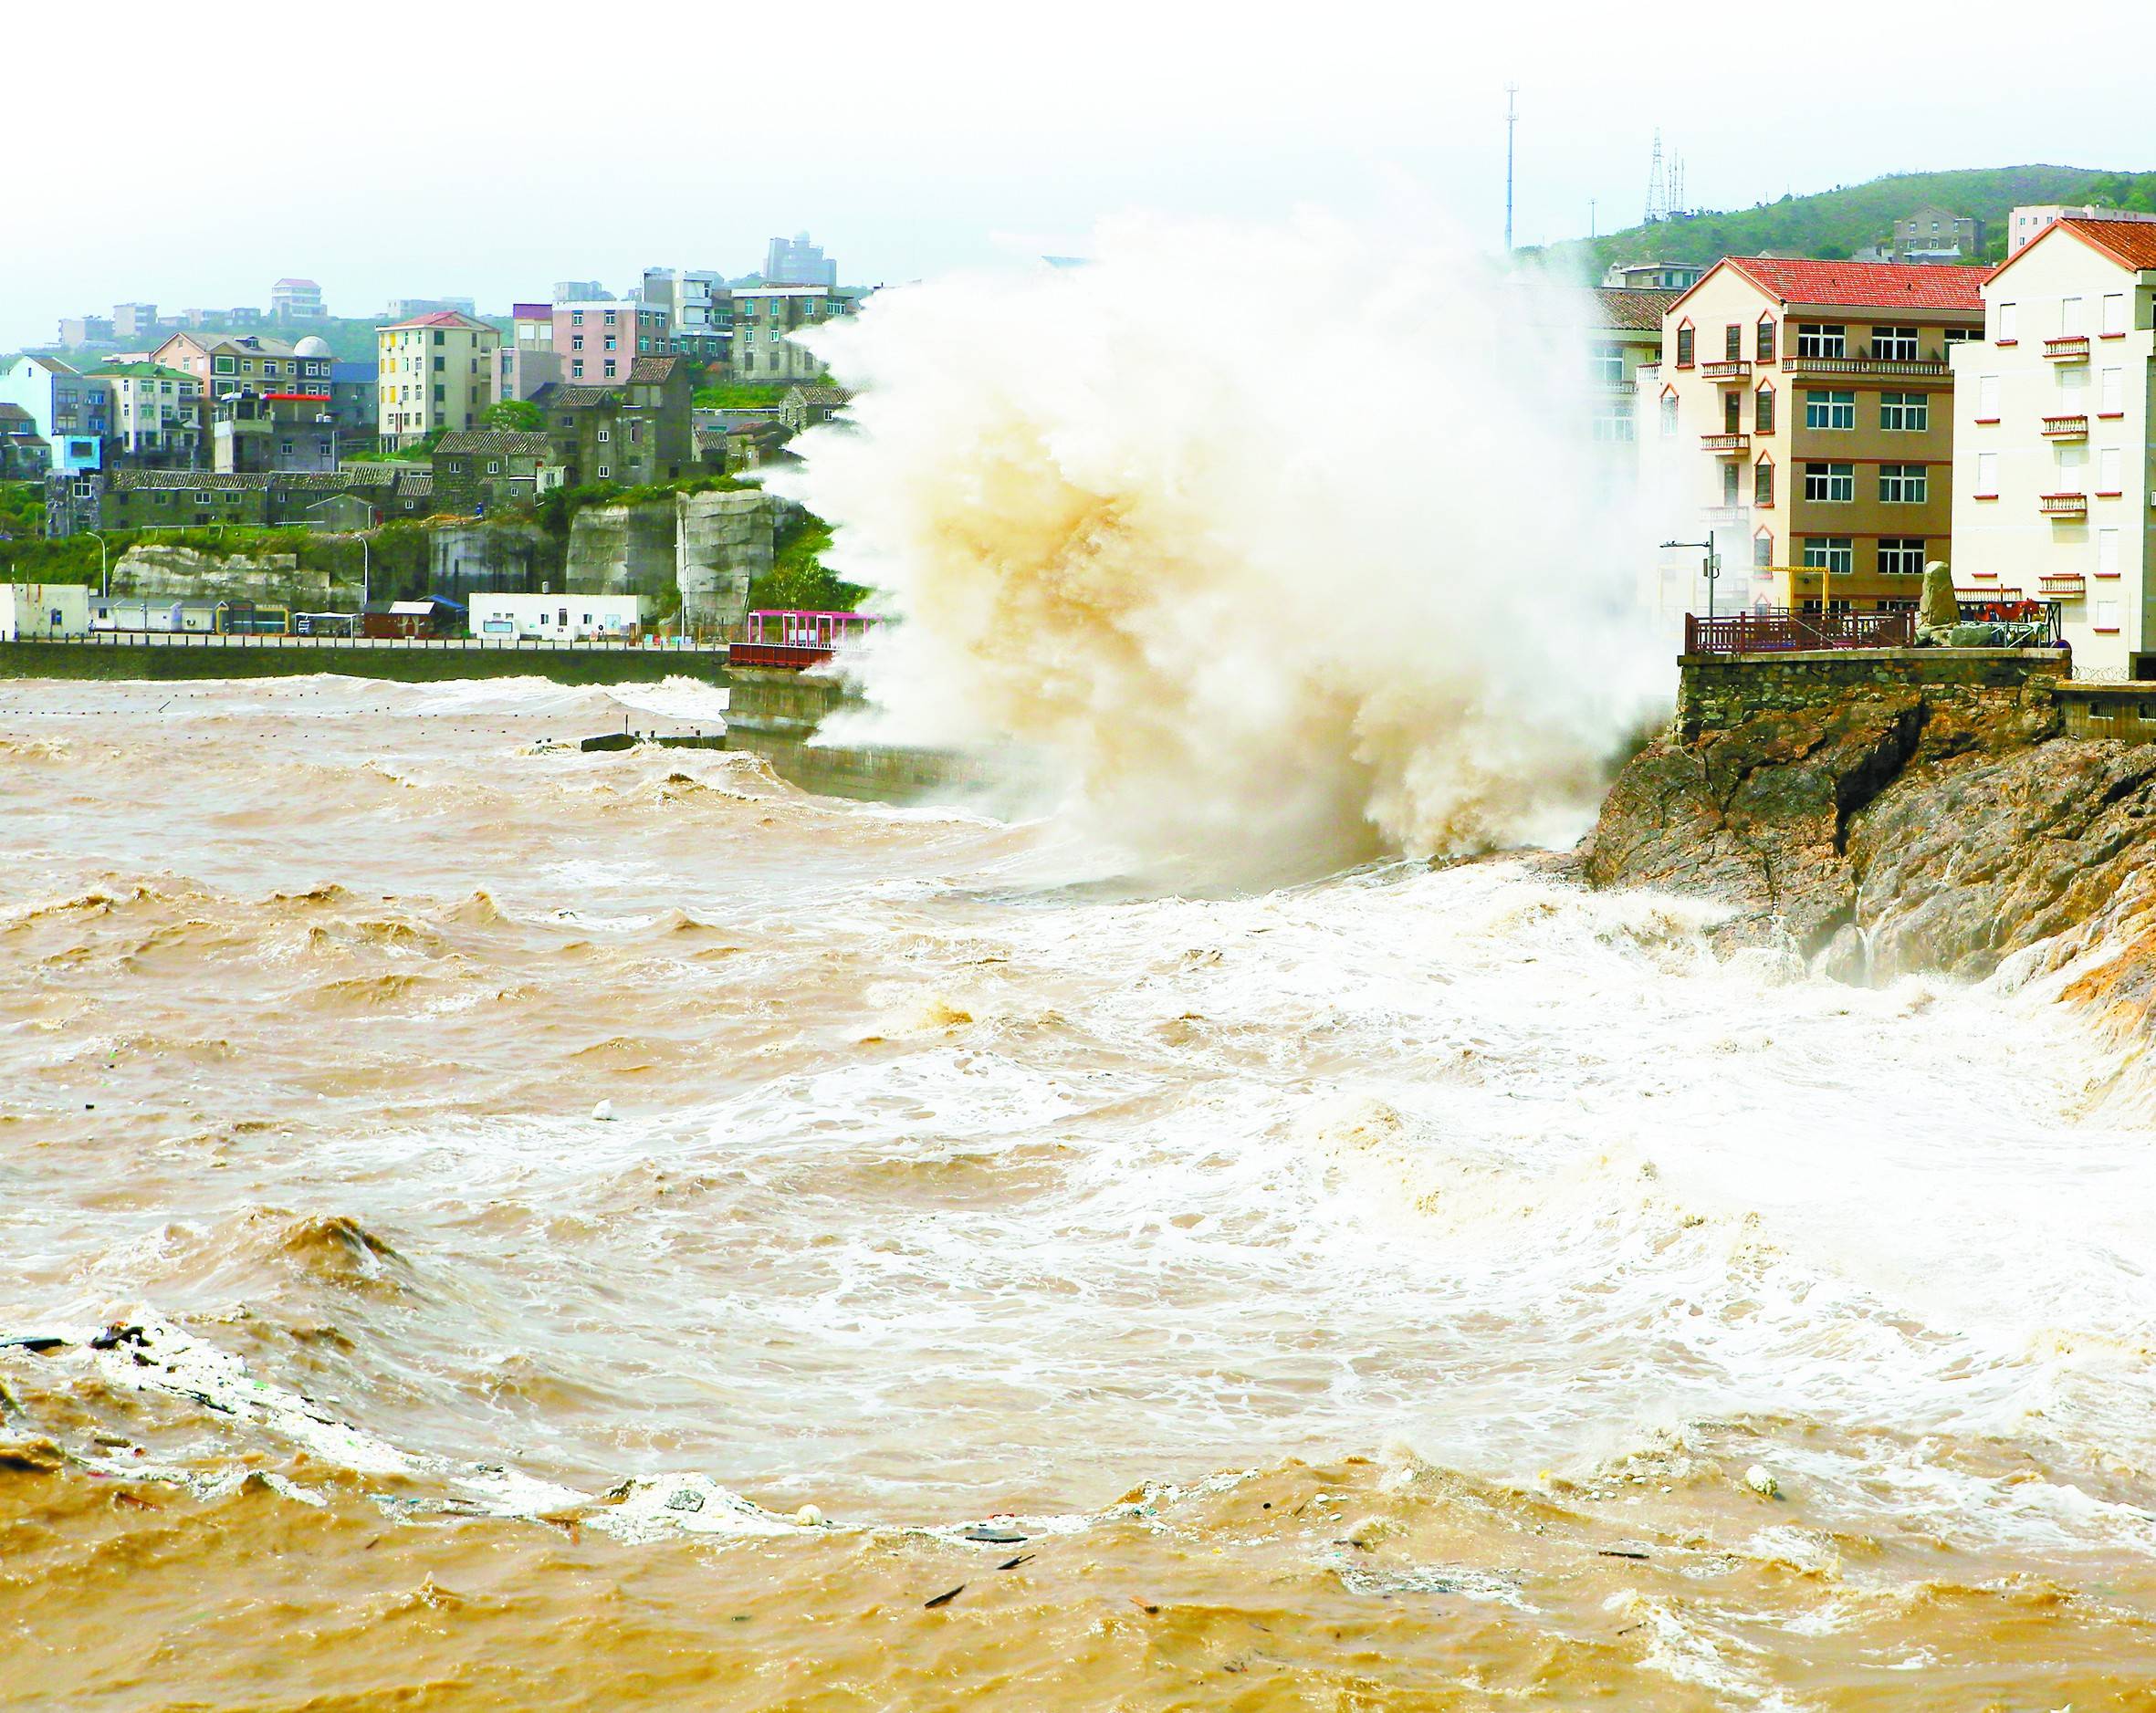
{"x":1938,"y":235}
{"x":296,"y":301}
{"x":433,"y":370}
{"x":1652,"y":275}
{"x":1627,"y":338}
{"x":2052,"y":489}
{"x":636,"y":432}
{"x":70,"y":412}
{"x":479,"y":471}
{"x":156,"y":414}
{"x":598,"y":341}
{"x":2028,"y":223}
{"x":24,"y":454}
{"x":250,"y":362}
{"x":526,"y":360}
{"x":765,"y":316}
{"x":357,"y":497}
{"x":1802,"y":420}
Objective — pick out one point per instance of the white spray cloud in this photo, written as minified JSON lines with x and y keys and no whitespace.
{"x":1291,"y":545}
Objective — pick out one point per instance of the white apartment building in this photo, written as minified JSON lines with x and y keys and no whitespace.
{"x":2052,"y":490}
{"x":557,"y":618}
{"x":2030,"y":222}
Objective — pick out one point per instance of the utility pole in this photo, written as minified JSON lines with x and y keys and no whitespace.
{"x":1512,"y":123}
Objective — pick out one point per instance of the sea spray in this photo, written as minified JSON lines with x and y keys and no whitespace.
{"x":1294,"y":546}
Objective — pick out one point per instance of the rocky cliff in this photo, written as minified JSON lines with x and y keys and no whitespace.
{"x":1897,"y":829}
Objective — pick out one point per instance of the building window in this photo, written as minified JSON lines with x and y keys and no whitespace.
{"x":1894,"y":344}
{"x":1606,"y":366}
{"x":2114,"y":314}
{"x":1822,"y":338}
{"x":1669,"y":416}
{"x":1902,"y":484}
{"x":576,"y":318}
{"x":1763,"y":485}
{"x":1763,"y":552}
{"x":1830,"y":483}
{"x":2111,"y":392}
{"x":1684,"y":347}
{"x":1732,"y":342}
{"x":576,"y":369}
{"x":576,"y":341}
{"x":2009,"y":319}
{"x":610,"y":318}
{"x":1987,"y":475}
{"x":1964,"y":336}
{"x":604,"y":472}
{"x":1833,"y":554}
{"x":493,"y":466}
{"x":1830,"y":410}
{"x":1909,"y":413}
{"x":1901,"y":555}
{"x":610,"y":367}
{"x":1763,"y":411}
{"x":604,"y":436}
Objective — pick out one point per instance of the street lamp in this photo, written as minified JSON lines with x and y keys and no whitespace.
{"x":1710,"y":567}
{"x":366,"y":554}
{"x":104,"y":578}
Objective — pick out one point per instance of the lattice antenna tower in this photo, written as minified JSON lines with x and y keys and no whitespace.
{"x":1512,"y":123}
{"x":1657,"y":186}
{"x":1678,"y":207}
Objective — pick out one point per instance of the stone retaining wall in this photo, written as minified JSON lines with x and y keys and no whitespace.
{"x":1716,"y":692}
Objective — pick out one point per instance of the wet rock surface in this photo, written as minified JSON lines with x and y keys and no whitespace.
{"x":1889,"y":832}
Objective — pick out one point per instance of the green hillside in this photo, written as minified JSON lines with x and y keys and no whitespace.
{"x":1832,"y":225}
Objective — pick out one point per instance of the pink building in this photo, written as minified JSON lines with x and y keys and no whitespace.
{"x":596,"y":342}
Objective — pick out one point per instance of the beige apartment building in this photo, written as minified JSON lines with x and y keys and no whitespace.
{"x":2052,"y":491}
{"x":1802,"y":420}
{"x":433,"y":370}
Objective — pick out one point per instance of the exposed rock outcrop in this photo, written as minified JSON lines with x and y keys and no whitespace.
{"x":1893,"y":831}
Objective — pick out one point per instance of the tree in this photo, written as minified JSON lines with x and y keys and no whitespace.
{"x":519,"y":414}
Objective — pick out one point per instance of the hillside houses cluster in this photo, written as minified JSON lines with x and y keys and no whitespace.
{"x":122,"y":436}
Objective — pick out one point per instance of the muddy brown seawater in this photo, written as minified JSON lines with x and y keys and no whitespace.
{"x":1368,"y":1295}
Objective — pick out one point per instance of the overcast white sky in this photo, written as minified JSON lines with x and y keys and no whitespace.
{"x":190,"y":156}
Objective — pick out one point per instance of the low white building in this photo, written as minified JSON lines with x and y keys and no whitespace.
{"x":31,"y":610}
{"x":557,"y":618}
{"x":2052,"y":409}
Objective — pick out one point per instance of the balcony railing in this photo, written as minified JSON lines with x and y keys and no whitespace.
{"x":1726,"y":371}
{"x":1783,"y":631}
{"x":2063,"y":505}
{"x":2065,"y":428}
{"x":2062,"y":585}
{"x":2072,"y":348}
{"x":1882,"y":367}
{"x":1725,"y":445}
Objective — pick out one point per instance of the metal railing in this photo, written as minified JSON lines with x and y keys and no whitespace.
{"x":2065,"y":428}
{"x":1891,"y":368}
{"x":1783,"y":631}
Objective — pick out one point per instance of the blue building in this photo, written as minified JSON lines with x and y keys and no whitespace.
{"x":72,"y":411}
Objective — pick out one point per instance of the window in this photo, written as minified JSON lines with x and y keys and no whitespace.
{"x":576,"y":369}
{"x":610,"y":367}
{"x":1894,"y":344}
{"x":456,"y":466}
{"x":2114,"y":323}
{"x":604,"y":472}
{"x":1833,"y":554}
{"x":1905,"y":412}
{"x":1684,"y":347}
{"x":1964,"y":336}
{"x":1669,"y":416}
{"x":2008,"y":321}
{"x":2111,"y":392}
{"x":493,"y":466}
{"x":1762,"y":483}
{"x":440,"y":365}
{"x":1901,"y":555}
{"x":1763,"y":551}
{"x":2105,"y":616}
{"x":1606,"y":366}
{"x":1830,"y":410}
{"x":610,"y":341}
{"x":1732,"y":342}
{"x":1732,"y":413}
{"x":2069,"y":317}
{"x":1831,"y":483}
{"x":222,"y":365}
{"x":576,"y":318}
{"x":2106,"y":553}
{"x":1821,"y":338}
{"x":1987,"y":398}
{"x":2108,"y":465}
{"x":1763,"y":411}
{"x":605,"y":435}
{"x":576,"y":341}
{"x":1902,"y":484}
{"x":1729,"y":486}
{"x":1767,"y":341}
{"x":610,"y":318}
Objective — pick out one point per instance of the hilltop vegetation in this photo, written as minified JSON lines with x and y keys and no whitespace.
{"x":1832,"y":224}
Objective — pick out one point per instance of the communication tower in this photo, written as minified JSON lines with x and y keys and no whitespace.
{"x":1512,"y":122}
{"x":1657,"y":186}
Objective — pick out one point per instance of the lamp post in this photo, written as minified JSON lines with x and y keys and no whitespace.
{"x":104,"y":578}
{"x":1710,"y":567}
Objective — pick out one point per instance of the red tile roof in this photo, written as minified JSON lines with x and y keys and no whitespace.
{"x":1869,"y":285}
{"x":2130,"y":242}
{"x":1634,"y":312}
